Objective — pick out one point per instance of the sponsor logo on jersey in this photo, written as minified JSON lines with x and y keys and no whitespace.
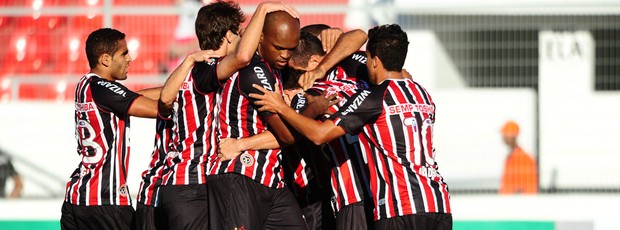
{"x":186,"y":86}
{"x":246,"y":159}
{"x":360,"y":58}
{"x":263,"y":79}
{"x":408,"y":108}
{"x":301,"y":101}
{"x":427,"y":172}
{"x":410,"y":121}
{"x":113,"y":87}
{"x":84,"y":107}
{"x":357,"y":102}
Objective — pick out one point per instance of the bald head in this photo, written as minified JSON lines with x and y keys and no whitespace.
{"x":280,"y":38}
{"x":280,"y":20}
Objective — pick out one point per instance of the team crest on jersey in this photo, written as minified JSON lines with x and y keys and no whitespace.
{"x":246,"y":159}
{"x":123,"y":191}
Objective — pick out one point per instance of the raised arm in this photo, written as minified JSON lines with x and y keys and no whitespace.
{"x":347,"y":44}
{"x":249,"y":41}
{"x":171,"y":88}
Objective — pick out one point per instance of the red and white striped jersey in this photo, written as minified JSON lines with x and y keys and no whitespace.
{"x":193,"y":130}
{"x":396,"y":121}
{"x":152,"y":177}
{"x":102,"y":134}
{"x":344,"y":153}
{"x":238,"y":118}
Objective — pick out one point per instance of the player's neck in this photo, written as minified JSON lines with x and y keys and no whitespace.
{"x":385,"y":74}
{"x":102,"y":74}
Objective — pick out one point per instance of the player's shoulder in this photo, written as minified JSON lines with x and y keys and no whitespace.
{"x":201,"y":68}
{"x":257,"y":67}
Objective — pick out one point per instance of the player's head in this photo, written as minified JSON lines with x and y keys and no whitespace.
{"x":217,"y":23}
{"x":308,"y":53}
{"x":510,"y":131}
{"x":106,"y":48}
{"x":389,"y":43}
{"x":280,"y":37}
{"x":315,"y":29}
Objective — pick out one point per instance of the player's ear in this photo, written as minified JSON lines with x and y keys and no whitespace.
{"x":105,"y":60}
{"x":314,"y":61}
{"x":376,"y":61}
{"x":229,"y":36}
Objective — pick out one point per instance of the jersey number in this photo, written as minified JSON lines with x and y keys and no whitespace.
{"x":90,"y":150}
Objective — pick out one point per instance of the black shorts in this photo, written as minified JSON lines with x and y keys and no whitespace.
{"x":184,"y":206}
{"x":95,"y":217}
{"x":148,"y":217}
{"x":351,"y":217}
{"x":238,"y":202}
{"x":420,"y":221}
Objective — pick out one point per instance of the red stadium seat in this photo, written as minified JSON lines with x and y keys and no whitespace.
{"x":153,"y":34}
{"x":142,"y":2}
{"x":36,"y":91}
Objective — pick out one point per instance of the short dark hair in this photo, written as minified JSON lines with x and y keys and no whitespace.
{"x":315,"y":29}
{"x":308,"y":45}
{"x":214,"y":20}
{"x":100,"y":42}
{"x":290,"y":78}
{"x":389,"y":43}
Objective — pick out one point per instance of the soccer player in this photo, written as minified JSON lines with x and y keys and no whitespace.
{"x":97,"y":196}
{"x":248,"y":191}
{"x":395,"y":120}
{"x":192,"y":97}
{"x":348,"y":178}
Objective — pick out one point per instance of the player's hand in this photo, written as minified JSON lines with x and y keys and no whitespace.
{"x":269,"y":101}
{"x":273,"y":6}
{"x":307,"y":79}
{"x":329,"y":37}
{"x":289,"y":94}
{"x":228,"y":149}
{"x":202,"y":56}
{"x":321,"y":103}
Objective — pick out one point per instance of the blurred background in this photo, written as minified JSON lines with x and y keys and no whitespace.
{"x":527,"y":93}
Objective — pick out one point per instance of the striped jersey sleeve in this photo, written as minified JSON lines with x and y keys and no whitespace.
{"x":396,"y":121}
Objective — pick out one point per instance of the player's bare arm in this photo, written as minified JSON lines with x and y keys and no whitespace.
{"x":229,"y":148}
{"x":318,"y":132}
{"x":346,"y":45}
{"x":250,"y":39}
{"x":152,"y":93}
{"x":143,"y":107}
{"x":171,"y":88}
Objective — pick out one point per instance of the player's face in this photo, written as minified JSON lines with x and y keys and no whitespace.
{"x":120,"y":61}
{"x":276,"y":47}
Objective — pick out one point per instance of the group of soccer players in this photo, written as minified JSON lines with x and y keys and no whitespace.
{"x":270,"y":127}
